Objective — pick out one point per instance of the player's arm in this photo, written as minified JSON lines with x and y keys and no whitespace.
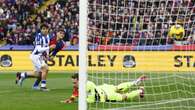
{"x":53,"y":46}
{"x":70,"y":99}
{"x":73,"y":97}
{"x":52,"y":38}
{"x":53,"y":51}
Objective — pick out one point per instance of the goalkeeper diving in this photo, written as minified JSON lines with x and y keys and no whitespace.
{"x":107,"y":92}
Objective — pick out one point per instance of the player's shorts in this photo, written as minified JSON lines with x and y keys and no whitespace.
{"x":38,"y":62}
{"x":111,"y":93}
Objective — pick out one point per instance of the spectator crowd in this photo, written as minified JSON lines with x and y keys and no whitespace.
{"x":20,"y":21}
{"x":124,"y":22}
{"x":139,"y":22}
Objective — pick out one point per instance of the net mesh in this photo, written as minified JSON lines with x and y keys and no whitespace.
{"x":130,"y":38}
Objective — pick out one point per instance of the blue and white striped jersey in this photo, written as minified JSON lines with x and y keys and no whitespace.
{"x":41,"y":44}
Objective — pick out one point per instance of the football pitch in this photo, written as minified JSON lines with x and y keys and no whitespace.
{"x":13,"y":97}
{"x":172,"y":91}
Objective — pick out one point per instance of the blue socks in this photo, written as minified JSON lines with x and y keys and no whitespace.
{"x":36,"y":83}
{"x":43,"y":83}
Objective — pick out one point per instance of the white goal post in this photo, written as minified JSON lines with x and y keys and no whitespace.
{"x":82,"y":54}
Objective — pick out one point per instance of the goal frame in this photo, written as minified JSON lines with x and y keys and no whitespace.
{"x":82,"y":54}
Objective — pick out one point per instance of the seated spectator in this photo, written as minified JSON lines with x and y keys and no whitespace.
{"x":19,"y":25}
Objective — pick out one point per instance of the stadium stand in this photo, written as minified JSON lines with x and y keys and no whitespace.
{"x":123,"y":24}
{"x":19,"y":25}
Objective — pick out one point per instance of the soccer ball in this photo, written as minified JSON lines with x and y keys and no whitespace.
{"x":176,"y":32}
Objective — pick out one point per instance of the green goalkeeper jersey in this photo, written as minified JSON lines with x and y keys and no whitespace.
{"x":107,"y":92}
{"x":102,"y":93}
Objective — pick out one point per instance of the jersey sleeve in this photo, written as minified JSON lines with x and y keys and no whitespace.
{"x":59,"y":46}
{"x":53,"y":39}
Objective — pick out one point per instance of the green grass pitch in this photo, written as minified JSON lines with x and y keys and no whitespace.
{"x":13,"y":97}
{"x":164,"y":91}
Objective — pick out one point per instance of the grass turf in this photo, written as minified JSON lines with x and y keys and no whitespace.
{"x":172,"y":91}
{"x":13,"y":97}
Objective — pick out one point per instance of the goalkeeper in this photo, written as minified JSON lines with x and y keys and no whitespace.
{"x":106,"y":92}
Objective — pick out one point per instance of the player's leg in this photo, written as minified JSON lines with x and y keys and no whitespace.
{"x":109,"y":92}
{"x":44,"y":72}
{"x":37,"y":81}
{"x":21,"y":76}
{"x":117,"y":97}
{"x":133,"y":94}
{"x":42,"y":69}
{"x":124,"y":87}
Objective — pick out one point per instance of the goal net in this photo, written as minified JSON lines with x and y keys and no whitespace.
{"x":132,"y":38}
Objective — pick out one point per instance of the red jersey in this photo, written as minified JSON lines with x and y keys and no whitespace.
{"x":53,"y":39}
{"x":75,"y":92}
{"x":59,"y":45}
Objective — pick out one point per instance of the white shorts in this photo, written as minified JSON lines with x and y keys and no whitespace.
{"x":38,"y":62}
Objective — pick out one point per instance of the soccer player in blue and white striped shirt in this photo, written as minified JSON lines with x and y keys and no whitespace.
{"x":38,"y":56}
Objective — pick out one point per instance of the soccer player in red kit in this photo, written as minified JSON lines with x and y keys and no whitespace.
{"x":75,"y":93}
{"x":56,"y":43}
